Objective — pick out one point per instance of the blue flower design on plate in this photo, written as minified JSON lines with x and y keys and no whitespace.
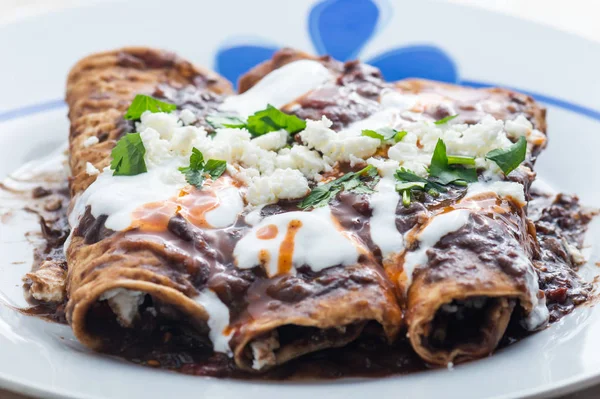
{"x":342,"y":28}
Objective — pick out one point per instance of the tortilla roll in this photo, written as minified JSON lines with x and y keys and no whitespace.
{"x":101,"y":269}
{"x":464,"y":272}
{"x":291,"y":325}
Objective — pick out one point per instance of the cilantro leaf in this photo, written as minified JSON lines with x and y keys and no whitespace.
{"x":446,"y":173}
{"x":128,"y":156}
{"x":360,"y":182}
{"x":194,"y":177}
{"x":408,"y":181}
{"x":196,"y":159}
{"x":218,"y":121}
{"x":272,"y":119}
{"x":198,"y":170}
{"x":383,"y":134}
{"x":445,"y":120}
{"x":142,"y":103}
{"x":215,"y":168}
{"x":508,"y":159}
{"x":400,"y":135}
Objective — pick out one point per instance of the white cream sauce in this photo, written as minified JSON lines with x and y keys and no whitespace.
{"x":279,"y":87}
{"x":230,"y":206}
{"x":318,"y":243}
{"x":509,"y":189}
{"x":434,"y":231}
{"x":218,"y":320}
{"x":384,"y":232}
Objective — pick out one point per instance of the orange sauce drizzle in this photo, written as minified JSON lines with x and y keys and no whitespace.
{"x":267,"y":232}
{"x":154,"y":217}
{"x":264,"y":257}
{"x":190,"y":202}
{"x":286,"y":250}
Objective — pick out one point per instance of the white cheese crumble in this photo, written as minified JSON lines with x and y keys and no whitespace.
{"x":187,"y":117}
{"x":335,"y":147}
{"x":414,"y":151}
{"x":90,"y":141}
{"x":281,"y":184}
{"x":309,"y":162}
{"x":272,"y":141}
{"x":317,"y":243}
{"x":91,"y":169}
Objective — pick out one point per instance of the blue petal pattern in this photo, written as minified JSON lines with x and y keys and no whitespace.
{"x":427,"y":62}
{"x":232,"y":62}
{"x":341,"y":28}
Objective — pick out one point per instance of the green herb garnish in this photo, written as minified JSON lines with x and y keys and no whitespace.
{"x":225,"y":121}
{"x":445,"y":120}
{"x":508,"y":159}
{"x":460,"y":160}
{"x":408,"y":182}
{"x":142,"y":103}
{"x":446,"y":173}
{"x":272,"y":119}
{"x":128,"y":156}
{"x":360,"y":182}
{"x":198,"y":171}
{"x":385,"y":134}
{"x":400,"y":135}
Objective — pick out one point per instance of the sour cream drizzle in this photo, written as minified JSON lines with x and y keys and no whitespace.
{"x":218,"y":320}
{"x":437,"y":228}
{"x":384,"y":232}
{"x":301,"y":239}
{"x":279,"y":87}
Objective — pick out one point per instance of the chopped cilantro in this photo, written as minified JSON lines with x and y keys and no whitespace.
{"x":360,"y":182}
{"x":128,"y":156}
{"x":444,"y":172}
{"x":218,"y":121}
{"x":142,"y":103}
{"x":272,"y":119}
{"x":445,"y":120}
{"x":400,"y":135}
{"x":508,"y":159}
{"x":460,"y":160}
{"x":383,"y":134}
{"x":198,"y":170}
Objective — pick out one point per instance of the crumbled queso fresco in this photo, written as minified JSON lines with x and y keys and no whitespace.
{"x":273,"y":171}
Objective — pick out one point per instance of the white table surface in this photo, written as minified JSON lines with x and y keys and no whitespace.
{"x":575,"y":16}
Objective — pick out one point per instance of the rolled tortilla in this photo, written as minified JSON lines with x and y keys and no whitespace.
{"x":464,"y":272}
{"x":99,"y":90}
{"x":304,"y":315}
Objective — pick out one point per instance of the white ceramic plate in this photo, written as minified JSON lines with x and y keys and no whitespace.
{"x":436,"y":40}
